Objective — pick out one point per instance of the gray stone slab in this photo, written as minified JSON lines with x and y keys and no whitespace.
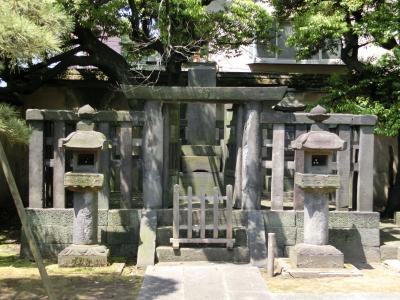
{"x":205,"y":94}
{"x":316,"y":256}
{"x":285,"y":236}
{"x":50,"y":216}
{"x":147,"y":245}
{"x":256,"y":238}
{"x":279,"y":218}
{"x":203,"y":281}
{"x":237,"y":254}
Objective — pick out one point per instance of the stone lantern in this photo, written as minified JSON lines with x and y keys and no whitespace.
{"x":85,"y":181}
{"x":319,"y":146}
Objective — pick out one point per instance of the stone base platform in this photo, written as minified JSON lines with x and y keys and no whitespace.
{"x":83,"y":256}
{"x":313,"y":256}
{"x":212,"y":254}
{"x":285,"y":268}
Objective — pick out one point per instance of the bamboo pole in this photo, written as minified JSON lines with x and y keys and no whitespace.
{"x":24,"y":221}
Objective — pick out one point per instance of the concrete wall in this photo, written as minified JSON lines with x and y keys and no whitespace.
{"x":354,"y":233}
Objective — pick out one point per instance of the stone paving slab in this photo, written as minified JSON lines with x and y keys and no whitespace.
{"x":335,"y":296}
{"x":203,"y":281}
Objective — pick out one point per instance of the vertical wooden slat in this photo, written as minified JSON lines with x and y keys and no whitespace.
{"x":298,"y":194}
{"x":125,"y":145}
{"x":278,"y":157}
{"x":36,"y":165}
{"x":365,"y":187}
{"x":175,"y":220}
{"x":190,"y":214}
{"x":343,"y":169}
{"x":215,"y":213}
{"x":58,"y":165}
{"x":202,"y":216}
{"x":104,"y":194}
{"x":229,"y":227}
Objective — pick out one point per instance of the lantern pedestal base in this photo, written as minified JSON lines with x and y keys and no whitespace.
{"x":83,"y":256}
{"x":314,"y":256}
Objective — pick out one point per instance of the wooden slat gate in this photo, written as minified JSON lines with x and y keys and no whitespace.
{"x":215,"y":199}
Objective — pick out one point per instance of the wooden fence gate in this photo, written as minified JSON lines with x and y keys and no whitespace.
{"x":216,"y":227}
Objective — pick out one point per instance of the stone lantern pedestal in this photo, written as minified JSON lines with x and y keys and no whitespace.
{"x":85,"y":182}
{"x":317,"y":182}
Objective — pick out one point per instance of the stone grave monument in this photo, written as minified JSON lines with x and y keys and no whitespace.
{"x":317,"y":181}
{"x":85,"y":181}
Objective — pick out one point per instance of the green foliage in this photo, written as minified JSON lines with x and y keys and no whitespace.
{"x":31,"y":29}
{"x":374,"y":91}
{"x":182,"y":26}
{"x":12,"y":126}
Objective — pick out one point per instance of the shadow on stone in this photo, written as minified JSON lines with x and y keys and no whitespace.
{"x":154,"y":287}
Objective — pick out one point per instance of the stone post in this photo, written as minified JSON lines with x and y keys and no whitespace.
{"x":104,"y":194}
{"x":237,"y":193}
{"x":251,"y":157}
{"x":153,"y":155}
{"x":125,"y":146}
{"x":316,"y":216}
{"x":36,"y":165}
{"x":201,"y":117}
{"x":58,"y":166}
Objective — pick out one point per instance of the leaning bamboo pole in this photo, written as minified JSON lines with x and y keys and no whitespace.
{"x":24,"y":221}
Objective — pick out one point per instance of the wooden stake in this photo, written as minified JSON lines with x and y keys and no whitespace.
{"x":24,"y":221}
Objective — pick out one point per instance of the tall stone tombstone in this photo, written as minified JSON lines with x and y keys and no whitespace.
{"x":201,"y":117}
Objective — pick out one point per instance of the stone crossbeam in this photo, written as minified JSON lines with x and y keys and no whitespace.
{"x":205,"y":94}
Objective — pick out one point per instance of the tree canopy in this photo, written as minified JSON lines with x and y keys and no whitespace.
{"x":370,"y":85}
{"x":175,"y":29}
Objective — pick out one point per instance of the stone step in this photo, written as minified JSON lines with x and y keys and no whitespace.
{"x":164,"y":234}
{"x":201,"y":150}
{"x":220,"y":254}
{"x":210,"y":164}
{"x":201,"y":182}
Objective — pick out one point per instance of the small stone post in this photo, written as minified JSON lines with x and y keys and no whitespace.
{"x":85,"y":182}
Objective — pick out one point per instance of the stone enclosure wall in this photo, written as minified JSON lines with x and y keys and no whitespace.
{"x":354,"y":233}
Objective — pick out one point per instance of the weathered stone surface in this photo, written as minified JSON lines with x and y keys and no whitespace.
{"x":316,"y":256}
{"x":256,"y":238}
{"x":392,"y":264}
{"x":237,"y":254}
{"x":389,"y":251}
{"x":119,"y":217}
{"x":55,"y":234}
{"x":122,"y":235}
{"x":316,"y":213}
{"x":153,"y":155}
{"x":201,"y":163}
{"x":147,"y":237}
{"x":88,"y":181}
{"x":279,"y":218}
{"x":251,"y":150}
{"x":201,"y":150}
{"x":353,"y":219}
{"x":316,"y":181}
{"x":36,"y":165}
{"x":102,"y":217}
{"x":201,"y":182}
{"x":85,"y":218}
{"x":361,"y":236}
{"x":50,"y":216}
{"x":83,"y":256}
{"x":285,"y":236}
